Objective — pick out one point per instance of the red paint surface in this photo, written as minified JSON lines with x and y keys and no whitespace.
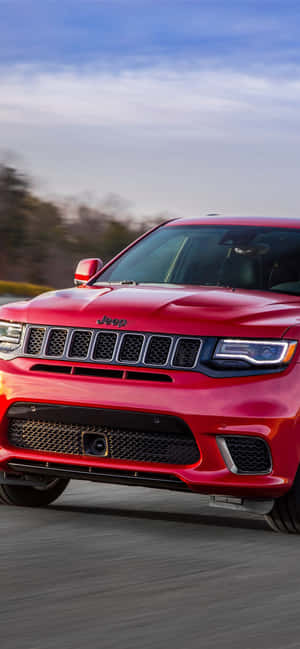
{"x":266,"y":406}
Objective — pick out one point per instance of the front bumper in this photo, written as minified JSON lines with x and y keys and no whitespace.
{"x":262,"y":406}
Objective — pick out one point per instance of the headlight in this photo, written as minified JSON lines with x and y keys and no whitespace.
{"x":256,"y":352}
{"x":10,"y":336}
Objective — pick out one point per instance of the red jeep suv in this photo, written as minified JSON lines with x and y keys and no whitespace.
{"x":176,"y":366}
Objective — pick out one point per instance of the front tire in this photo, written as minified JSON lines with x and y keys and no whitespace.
{"x":32,"y":496}
{"x":285,"y":515}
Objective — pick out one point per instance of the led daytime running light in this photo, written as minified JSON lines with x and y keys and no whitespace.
{"x":256,"y":352}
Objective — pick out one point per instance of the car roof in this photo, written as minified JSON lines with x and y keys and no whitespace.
{"x":276,"y":222}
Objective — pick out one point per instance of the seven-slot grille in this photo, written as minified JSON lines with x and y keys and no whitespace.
{"x":90,"y":345}
{"x":173,"y":447}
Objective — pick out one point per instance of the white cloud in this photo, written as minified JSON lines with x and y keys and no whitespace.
{"x":188,"y":138}
{"x":153,"y":97}
{"x":185,"y":99}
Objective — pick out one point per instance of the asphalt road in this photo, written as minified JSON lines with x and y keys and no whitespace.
{"x":117,"y":567}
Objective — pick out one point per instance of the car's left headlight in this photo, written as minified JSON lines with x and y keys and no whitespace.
{"x":256,"y":352}
{"x":10,"y":336}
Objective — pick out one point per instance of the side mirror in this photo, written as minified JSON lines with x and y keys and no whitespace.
{"x":86,"y":269}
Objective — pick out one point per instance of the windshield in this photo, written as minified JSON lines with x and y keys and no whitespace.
{"x":247,"y":257}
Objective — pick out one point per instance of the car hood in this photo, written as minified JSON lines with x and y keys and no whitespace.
{"x":207,"y":311}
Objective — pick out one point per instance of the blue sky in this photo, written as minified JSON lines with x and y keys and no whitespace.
{"x":81,"y":31}
{"x":186,"y":106}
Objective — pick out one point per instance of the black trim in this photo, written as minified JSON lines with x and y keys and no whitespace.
{"x":98,"y":416}
{"x":98,"y":474}
{"x":148,"y":376}
{"x":231,"y":373}
{"x":50,"y":367}
{"x":79,"y":370}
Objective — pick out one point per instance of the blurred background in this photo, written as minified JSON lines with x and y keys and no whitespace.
{"x":115,"y":114}
{"x":42,"y":240}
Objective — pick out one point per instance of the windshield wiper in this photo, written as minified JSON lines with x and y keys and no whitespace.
{"x":125,"y":282}
{"x":128,"y":281}
{"x":219,"y":284}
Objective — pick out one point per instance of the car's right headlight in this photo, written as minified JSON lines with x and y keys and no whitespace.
{"x":256,"y":352}
{"x":10,"y":336}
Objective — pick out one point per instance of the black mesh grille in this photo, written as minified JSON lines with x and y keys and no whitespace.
{"x":123,"y":444}
{"x":104,"y":347}
{"x":250,"y":454}
{"x":158,"y":350}
{"x":35,"y":341}
{"x":131,"y":348}
{"x":80,"y":344}
{"x":42,"y":436}
{"x":186,"y":352}
{"x":56,"y":342}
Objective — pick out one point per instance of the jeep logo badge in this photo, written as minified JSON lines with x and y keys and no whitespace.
{"x":116,"y":322}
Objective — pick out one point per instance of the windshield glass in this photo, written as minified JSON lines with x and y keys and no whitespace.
{"x":247,"y":257}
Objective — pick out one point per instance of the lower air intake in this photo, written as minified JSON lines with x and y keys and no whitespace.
{"x":250,"y":455}
{"x":122,"y":444}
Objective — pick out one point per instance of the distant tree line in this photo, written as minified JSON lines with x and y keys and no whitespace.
{"x":41,"y":243}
